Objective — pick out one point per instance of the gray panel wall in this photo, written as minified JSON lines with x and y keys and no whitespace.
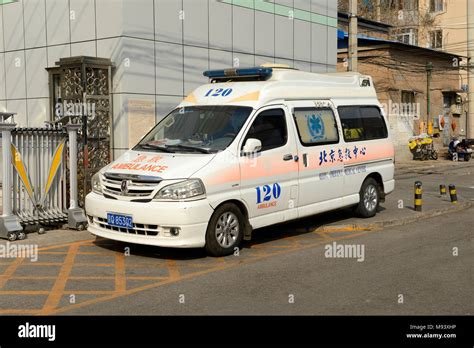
{"x":159,"y":47}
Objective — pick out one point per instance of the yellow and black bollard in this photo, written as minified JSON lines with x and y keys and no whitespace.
{"x":418,"y":195}
{"x":453,"y":193}
{"x":442,"y":190}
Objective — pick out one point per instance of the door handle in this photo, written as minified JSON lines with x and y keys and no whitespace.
{"x":288,"y":157}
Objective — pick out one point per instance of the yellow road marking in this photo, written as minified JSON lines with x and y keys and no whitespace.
{"x":60,"y":284}
{"x":18,"y":311}
{"x":86,"y":264}
{"x":120,"y":281}
{"x":174,"y":272}
{"x":9,"y":271}
{"x":47,"y":292}
{"x":54,"y":253}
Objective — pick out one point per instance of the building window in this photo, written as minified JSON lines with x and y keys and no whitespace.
{"x":436,"y":39}
{"x":407,"y":36}
{"x":408,"y":103}
{"x":436,"y":5}
{"x":410,"y":5}
{"x":407,"y":5}
{"x":448,"y":100}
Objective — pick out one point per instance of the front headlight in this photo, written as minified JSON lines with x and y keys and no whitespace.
{"x":192,"y":188}
{"x":95,"y":183}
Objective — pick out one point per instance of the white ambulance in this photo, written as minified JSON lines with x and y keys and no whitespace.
{"x":253,"y":148}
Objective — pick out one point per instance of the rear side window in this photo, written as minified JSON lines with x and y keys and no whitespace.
{"x":316,"y":126}
{"x":270,"y":128}
{"x":362,"y":123}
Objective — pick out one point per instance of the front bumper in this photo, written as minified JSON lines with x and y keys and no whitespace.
{"x":152,"y":221}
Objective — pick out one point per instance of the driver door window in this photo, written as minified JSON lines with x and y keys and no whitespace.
{"x":270,"y":128}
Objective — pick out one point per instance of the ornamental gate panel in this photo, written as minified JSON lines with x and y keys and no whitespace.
{"x":80,"y":88}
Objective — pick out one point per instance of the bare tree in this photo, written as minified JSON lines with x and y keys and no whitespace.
{"x":401,"y":14}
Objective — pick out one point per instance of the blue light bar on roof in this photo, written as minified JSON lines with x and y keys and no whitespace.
{"x":257,"y":72}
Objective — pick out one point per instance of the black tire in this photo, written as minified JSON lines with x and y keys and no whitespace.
{"x":369,"y":188}
{"x":467,"y":158}
{"x":229,"y":234}
{"x":434,"y":155}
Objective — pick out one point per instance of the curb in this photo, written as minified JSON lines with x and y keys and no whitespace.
{"x":403,"y":170}
{"x":392,"y":223}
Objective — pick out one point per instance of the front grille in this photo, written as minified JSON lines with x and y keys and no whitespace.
{"x":138,"y":229}
{"x":138,"y":186}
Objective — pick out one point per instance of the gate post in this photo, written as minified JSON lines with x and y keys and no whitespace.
{"x":76,"y":216}
{"x":8,"y":222}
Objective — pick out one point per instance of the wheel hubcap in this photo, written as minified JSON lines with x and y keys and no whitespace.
{"x":227,"y":229}
{"x":370,"y":198}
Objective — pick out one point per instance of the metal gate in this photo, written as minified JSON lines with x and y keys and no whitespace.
{"x":36,"y":187}
{"x":85,"y":81}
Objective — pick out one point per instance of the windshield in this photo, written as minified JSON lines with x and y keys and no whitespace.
{"x":204,"y":129}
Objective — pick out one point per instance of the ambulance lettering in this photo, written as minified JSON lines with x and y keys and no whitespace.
{"x":342,"y":155}
{"x":219,"y":92}
{"x":268,"y":195}
{"x":142,"y":163}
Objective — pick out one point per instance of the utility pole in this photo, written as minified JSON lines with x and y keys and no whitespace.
{"x":429,"y":69}
{"x":352,"y":52}
{"x":470,"y":66}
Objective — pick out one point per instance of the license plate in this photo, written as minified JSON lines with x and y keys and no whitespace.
{"x":119,"y":220}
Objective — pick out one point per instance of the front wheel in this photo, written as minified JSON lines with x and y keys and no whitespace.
{"x":225,"y":230}
{"x":369,"y":199}
{"x":434,"y":155}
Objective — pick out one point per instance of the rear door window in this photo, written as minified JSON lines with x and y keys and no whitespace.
{"x":362,"y":123}
{"x":373,"y":123}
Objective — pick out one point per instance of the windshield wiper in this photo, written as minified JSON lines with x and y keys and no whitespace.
{"x":162,"y":148}
{"x":193,"y":148}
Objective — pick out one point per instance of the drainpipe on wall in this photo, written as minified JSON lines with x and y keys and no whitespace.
{"x":429,"y":69}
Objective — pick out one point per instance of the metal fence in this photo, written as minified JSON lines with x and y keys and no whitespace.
{"x":39,"y":188}
{"x":39,"y":192}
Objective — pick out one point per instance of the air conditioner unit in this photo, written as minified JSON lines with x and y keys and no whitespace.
{"x":456,"y":109}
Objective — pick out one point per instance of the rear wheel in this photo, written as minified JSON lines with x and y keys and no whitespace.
{"x":369,"y":199}
{"x":225,"y":230}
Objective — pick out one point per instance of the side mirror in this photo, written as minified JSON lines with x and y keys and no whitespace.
{"x":252,"y":146}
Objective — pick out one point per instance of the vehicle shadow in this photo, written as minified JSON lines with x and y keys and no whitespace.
{"x":260,"y":236}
